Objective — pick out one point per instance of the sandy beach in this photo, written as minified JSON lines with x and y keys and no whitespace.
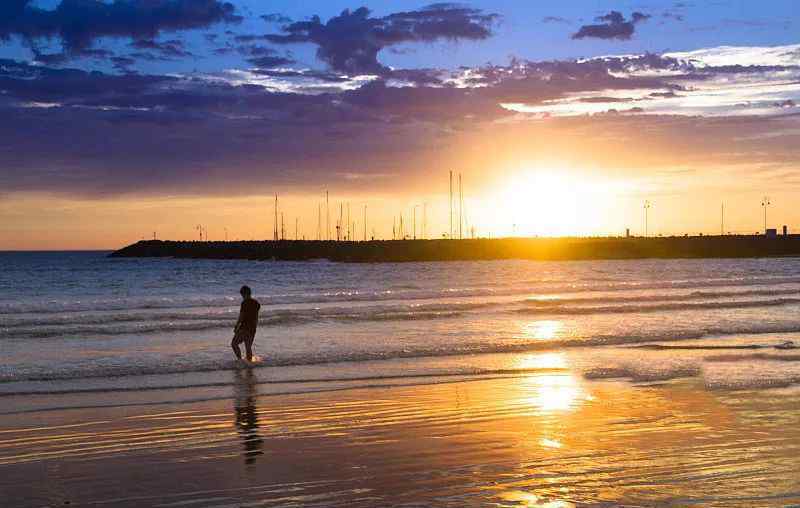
{"x":550,"y":439}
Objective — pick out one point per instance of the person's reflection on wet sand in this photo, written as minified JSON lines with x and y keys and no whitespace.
{"x":247,"y":415}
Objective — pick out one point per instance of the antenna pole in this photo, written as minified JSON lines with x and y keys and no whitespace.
{"x":414,"y":223}
{"x":425,"y":221}
{"x":327,"y":217}
{"x":460,"y":209}
{"x":451,"y":205}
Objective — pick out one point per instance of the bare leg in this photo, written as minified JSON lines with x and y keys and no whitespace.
{"x":248,"y":345}
{"x":236,"y":350}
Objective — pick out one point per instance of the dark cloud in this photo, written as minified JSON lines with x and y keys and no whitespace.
{"x":260,"y":56}
{"x":555,"y":19}
{"x":61,"y":58}
{"x":266,"y":62}
{"x":416,"y":76}
{"x":69,"y":86}
{"x":351,"y":41}
{"x":79,"y":23}
{"x":173,"y":48}
{"x":122,"y":63}
{"x":54,"y":59}
{"x":613,"y":26}
{"x":276,"y":18}
{"x":249,"y":38}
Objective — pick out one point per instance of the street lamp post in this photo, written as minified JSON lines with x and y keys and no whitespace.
{"x":765,"y":202}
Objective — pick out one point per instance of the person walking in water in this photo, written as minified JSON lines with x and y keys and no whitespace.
{"x":245,"y":329}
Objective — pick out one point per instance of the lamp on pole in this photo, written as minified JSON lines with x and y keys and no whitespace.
{"x":765,"y":202}
{"x":646,"y":209}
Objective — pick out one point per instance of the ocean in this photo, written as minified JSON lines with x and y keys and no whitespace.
{"x":80,"y":329}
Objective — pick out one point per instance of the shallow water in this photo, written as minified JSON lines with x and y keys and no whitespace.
{"x":83,"y":324}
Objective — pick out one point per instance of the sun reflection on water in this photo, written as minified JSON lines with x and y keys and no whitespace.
{"x":528,"y":499}
{"x":550,"y":443}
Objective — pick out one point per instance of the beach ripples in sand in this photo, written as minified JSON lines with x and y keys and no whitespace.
{"x":551,"y":439}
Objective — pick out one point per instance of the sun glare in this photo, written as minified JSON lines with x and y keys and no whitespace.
{"x":552,"y":202}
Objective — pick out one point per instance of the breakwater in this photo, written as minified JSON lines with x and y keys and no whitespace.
{"x":474,"y":249}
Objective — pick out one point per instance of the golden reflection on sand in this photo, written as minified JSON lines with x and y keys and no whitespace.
{"x":546,"y":329}
{"x":553,"y":392}
{"x":549,"y":440}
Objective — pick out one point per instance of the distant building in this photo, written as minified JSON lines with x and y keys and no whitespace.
{"x":785,"y":231}
{"x":771,"y":232}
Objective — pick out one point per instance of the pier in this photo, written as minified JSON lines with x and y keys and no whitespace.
{"x":544,"y":249}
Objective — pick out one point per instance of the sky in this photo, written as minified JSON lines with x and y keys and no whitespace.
{"x":129,"y":119}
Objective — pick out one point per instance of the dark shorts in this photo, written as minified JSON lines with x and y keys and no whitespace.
{"x":244,"y":335}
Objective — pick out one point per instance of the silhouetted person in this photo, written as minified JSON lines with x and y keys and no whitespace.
{"x":247,"y":415}
{"x":245,"y":329}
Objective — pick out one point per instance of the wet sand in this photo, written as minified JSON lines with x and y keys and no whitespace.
{"x":550,"y":439}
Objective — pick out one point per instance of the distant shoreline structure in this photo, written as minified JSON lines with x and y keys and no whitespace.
{"x":542,"y":249}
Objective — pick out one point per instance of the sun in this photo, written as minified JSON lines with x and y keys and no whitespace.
{"x":551,"y":202}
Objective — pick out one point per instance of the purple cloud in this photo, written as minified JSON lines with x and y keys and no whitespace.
{"x":613,"y":26}
{"x":351,"y":41}
{"x":79,"y":23}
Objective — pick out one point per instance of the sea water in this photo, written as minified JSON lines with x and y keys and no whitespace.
{"x":80,"y":329}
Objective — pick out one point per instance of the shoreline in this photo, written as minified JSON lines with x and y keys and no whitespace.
{"x":539,"y":249}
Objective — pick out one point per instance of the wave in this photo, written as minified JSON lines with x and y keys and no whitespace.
{"x":553,"y":301}
{"x":134,"y":303}
{"x":188,"y":364}
{"x":620,"y":309}
{"x":137,"y":324}
{"x":112,"y":323}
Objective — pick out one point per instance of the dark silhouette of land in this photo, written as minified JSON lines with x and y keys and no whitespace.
{"x":729,"y":246}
